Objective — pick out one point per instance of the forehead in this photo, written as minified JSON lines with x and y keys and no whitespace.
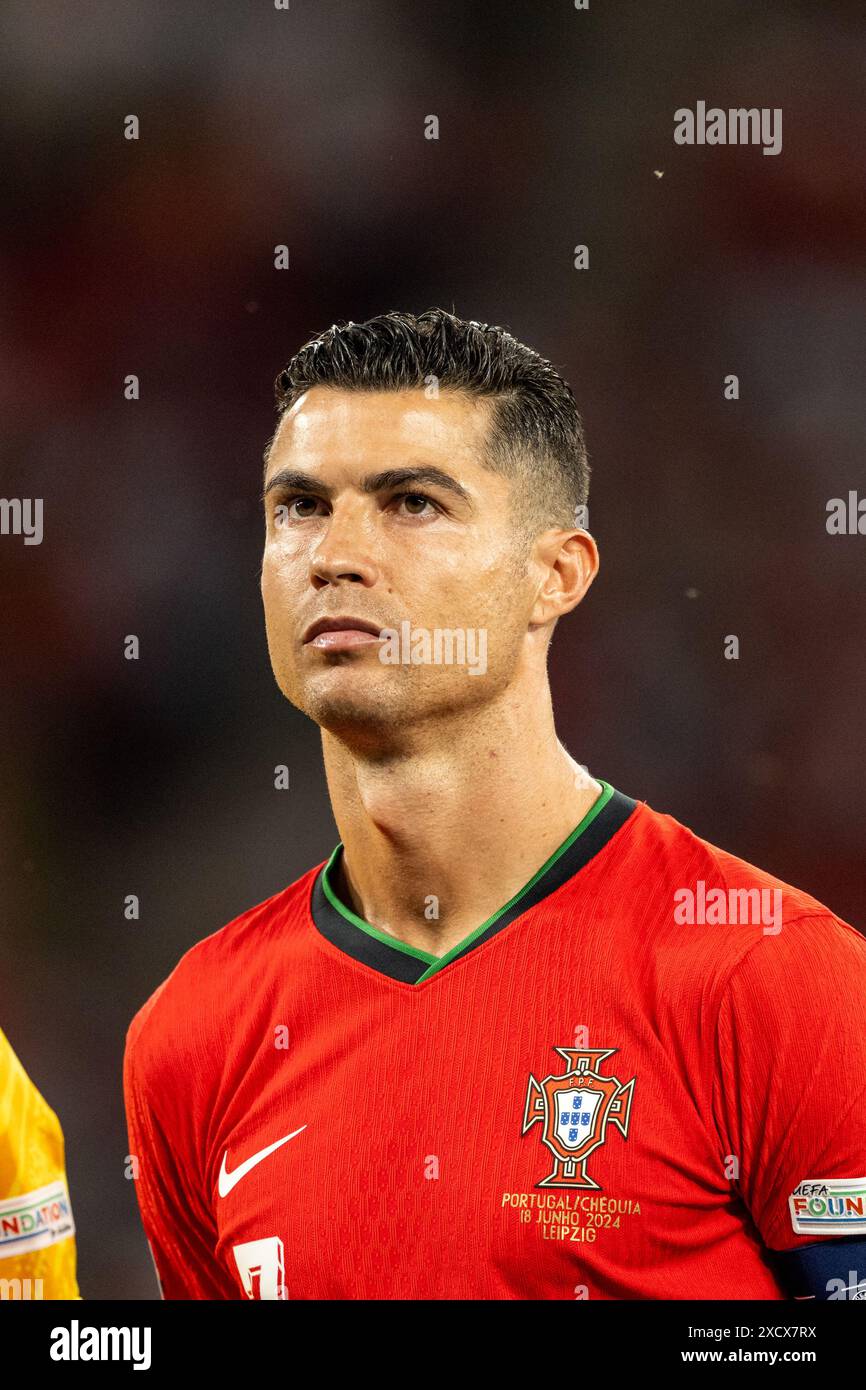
{"x":326,"y":425}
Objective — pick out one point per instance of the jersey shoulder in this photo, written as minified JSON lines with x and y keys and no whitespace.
{"x":700,"y":912}
{"x":678,"y":858}
{"x":215,"y":979}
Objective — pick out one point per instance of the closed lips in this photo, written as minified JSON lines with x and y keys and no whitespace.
{"x":340,"y":625}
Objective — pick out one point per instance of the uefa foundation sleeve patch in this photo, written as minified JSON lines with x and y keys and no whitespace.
{"x":35,"y":1219}
{"x":829,"y":1207}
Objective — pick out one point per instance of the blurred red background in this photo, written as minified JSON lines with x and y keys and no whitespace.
{"x":155,"y":257}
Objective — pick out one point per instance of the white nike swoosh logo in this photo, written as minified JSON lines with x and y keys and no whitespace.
{"x":228,"y":1179}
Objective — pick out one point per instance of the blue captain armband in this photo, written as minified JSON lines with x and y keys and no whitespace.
{"x":830,"y":1269}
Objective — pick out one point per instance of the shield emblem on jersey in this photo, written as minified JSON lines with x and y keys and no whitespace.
{"x":573,"y":1111}
{"x":575,"y":1115}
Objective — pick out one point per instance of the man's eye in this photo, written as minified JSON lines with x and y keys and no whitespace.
{"x":411,"y":501}
{"x":297,"y":508}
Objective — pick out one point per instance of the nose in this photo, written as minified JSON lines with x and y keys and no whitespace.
{"x":345,"y":551}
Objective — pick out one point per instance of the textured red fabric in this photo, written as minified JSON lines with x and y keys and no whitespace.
{"x":412,"y":1177}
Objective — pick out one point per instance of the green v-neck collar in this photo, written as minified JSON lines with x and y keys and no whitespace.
{"x":366,"y":943}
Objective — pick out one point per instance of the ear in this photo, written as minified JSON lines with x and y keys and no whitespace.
{"x":568,"y":561}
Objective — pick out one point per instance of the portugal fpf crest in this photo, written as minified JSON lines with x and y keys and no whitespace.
{"x":574,"y":1110}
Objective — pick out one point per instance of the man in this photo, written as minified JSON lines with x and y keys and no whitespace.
{"x":521,"y":1036}
{"x":37,"y":1232}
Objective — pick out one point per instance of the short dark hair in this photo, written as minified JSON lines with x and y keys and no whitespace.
{"x":536,"y":433}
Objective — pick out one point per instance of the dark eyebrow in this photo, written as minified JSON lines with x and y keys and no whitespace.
{"x":426,"y":474}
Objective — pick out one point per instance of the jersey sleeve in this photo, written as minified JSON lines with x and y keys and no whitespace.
{"x":174,"y":1212}
{"x":789,"y":1089}
{"x":37,"y":1231}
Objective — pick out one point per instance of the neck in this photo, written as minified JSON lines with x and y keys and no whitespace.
{"x":441,"y":832}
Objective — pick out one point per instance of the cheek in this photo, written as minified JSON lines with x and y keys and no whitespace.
{"x":268,"y":588}
{"x":481,"y":585}
{"x":279,"y":593}
{"x":282,"y":567}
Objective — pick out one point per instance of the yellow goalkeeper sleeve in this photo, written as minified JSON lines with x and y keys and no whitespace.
{"x":37,"y":1233}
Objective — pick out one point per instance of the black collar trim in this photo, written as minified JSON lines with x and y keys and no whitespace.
{"x":398,"y":961}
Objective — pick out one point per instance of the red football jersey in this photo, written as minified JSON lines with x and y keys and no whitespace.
{"x":639,"y":1078}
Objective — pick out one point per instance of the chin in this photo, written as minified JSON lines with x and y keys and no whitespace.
{"x":341,"y":701}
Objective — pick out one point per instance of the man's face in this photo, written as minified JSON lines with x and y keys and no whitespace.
{"x":379,"y":510}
